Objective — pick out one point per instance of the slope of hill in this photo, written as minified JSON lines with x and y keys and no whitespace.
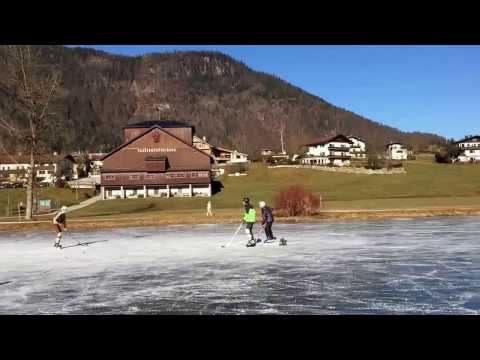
{"x":229,"y":103}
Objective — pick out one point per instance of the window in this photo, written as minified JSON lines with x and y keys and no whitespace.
{"x":109,"y":177}
{"x":134,"y":177}
{"x":193,"y":174}
{"x":149,"y":176}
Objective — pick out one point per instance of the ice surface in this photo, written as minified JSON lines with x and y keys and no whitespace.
{"x":386,"y":267}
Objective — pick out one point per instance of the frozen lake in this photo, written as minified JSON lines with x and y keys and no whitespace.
{"x":421,"y":266}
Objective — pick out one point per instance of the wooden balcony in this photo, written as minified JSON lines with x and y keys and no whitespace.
{"x":336,"y":148}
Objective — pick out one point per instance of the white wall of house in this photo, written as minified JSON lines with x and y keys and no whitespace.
{"x":319,"y":154}
{"x":47,"y":175}
{"x":397,"y":152}
{"x":469,"y":155}
{"x":340,"y":162}
{"x":470,"y":150}
{"x":469,"y":144}
{"x":14,"y":166}
{"x":237,"y":157}
{"x":358,"y":148}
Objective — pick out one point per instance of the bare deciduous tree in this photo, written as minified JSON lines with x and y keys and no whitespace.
{"x":34,"y":86}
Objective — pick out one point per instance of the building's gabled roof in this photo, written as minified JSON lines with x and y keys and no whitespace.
{"x":197,"y":139}
{"x":394,"y":143}
{"x":329,"y":138}
{"x":469,"y":138}
{"x":146,"y":132}
{"x":356,"y":137}
{"x":143,"y":122}
{"x":228,"y":150}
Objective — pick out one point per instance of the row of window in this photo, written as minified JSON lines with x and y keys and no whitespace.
{"x":470,"y":145}
{"x":20,"y":167}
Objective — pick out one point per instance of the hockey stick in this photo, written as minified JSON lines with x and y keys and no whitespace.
{"x":233,"y":237}
{"x":258,"y":234}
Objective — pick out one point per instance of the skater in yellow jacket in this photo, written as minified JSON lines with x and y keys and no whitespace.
{"x":249,"y":218}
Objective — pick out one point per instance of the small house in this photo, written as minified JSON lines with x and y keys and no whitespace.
{"x":396,"y":151}
{"x":469,"y":149}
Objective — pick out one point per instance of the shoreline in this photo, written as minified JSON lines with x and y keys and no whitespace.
{"x":327,"y":215}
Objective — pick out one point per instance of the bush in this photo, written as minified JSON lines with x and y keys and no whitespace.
{"x":234,"y":168}
{"x":60,"y":183}
{"x":296,"y":201}
{"x":442,"y":157}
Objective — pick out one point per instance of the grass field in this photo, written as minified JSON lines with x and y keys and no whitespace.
{"x":426,"y":184}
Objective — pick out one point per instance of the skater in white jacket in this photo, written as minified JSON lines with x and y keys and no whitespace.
{"x":58,"y":221}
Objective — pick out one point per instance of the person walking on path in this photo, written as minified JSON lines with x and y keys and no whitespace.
{"x":209,"y":208}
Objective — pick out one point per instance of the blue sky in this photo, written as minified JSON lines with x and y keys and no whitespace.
{"x":413,"y":88}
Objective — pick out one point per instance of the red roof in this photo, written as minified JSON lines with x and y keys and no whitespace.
{"x":329,"y":138}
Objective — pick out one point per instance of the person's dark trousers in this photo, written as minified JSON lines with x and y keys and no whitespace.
{"x":250,"y":229}
{"x":268,"y":230}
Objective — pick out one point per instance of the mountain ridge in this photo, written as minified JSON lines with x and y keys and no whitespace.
{"x":227,"y":101}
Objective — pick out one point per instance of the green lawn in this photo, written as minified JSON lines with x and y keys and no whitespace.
{"x":426,"y":184}
{"x":63,"y":196}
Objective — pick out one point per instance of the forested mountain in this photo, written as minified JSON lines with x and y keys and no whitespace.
{"x":229,"y":103}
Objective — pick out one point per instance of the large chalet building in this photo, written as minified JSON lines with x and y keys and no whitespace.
{"x":328,"y":150}
{"x":157,"y":159}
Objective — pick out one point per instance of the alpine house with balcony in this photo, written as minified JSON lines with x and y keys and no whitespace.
{"x":328,"y":150}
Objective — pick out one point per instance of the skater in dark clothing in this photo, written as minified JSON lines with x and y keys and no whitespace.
{"x":249,"y":218}
{"x":267,"y":220}
{"x":58,"y":221}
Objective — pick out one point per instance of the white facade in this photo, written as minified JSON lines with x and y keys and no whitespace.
{"x":469,"y":149}
{"x":333,"y":152}
{"x":238,"y":157}
{"x":47,"y":174}
{"x":397,"y":151}
{"x":134,"y":192}
{"x":14,"y":166}
{"x":358,"y":148}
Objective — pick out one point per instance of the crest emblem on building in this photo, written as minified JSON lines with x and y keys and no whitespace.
{"x":156,"y":136}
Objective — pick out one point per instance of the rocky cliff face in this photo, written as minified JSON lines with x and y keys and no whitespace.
{"x":226,"y":101}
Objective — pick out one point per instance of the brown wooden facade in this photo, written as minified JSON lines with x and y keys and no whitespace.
{"x":156,"y":161}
